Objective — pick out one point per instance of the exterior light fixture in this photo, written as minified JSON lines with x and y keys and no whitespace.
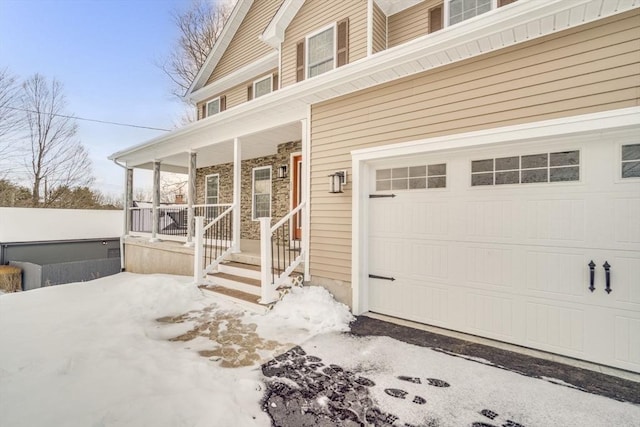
{"x":336,"y":181}
{"x":282,"y":171}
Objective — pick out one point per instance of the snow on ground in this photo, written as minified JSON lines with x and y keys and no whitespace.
{"x":470,"y":388}
{"x":153,"y":350}
{"x":94,"y":354}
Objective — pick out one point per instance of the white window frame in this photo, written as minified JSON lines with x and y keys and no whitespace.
{"x":253,"y":191}
{"x":307,"y":51}
{"x":447,"y":14}
{"x":255,"y":92}
{"x":206,"y":189}
{"x":211,"y":101}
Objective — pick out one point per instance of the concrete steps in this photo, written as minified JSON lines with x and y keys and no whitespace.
{"x":238,"y":282}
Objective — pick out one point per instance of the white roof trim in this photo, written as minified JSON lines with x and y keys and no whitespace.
{"x":246,"y":73}
{"x":391,"y":7}
{"x":221,"y":44}
{"x":521,"y":22}
{"x":274,"y":33}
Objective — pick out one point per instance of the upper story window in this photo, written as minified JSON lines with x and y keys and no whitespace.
{"x":320,"y":52}
{"x":323,"y":51}
{"x":461,"y":10}
{"x":262,"y":86}
{"x":214,"y":106}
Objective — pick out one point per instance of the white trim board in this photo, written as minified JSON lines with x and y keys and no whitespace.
{"x":591,"y":125}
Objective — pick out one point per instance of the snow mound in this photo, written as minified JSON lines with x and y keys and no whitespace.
{"x":314,"y":309}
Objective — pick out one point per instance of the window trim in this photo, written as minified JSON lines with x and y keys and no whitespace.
{"x":253,"y":191}
{"x":447,"y":12}
{"x":206,"y":188}
{"x":619,"y":177}
{"x":307,"y":51}
{"x":210,"y":102}
{"x":255,"y":82}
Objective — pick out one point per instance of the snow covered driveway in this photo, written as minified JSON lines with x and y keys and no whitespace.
{"x":153,"y":350}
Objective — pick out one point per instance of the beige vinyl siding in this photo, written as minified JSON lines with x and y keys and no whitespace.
{"x":379,"y":29}
{"x":316,"y":14}
{"x":592,"y":68}
{"x":245,"y":47}
{"x":410,"y":23}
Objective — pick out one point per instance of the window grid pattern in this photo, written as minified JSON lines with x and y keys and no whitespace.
{"x":461,"y":10}
{"x":321,"y":53}
{"x":212,"y":189}
{"x":418,"y":177}
{"x":560,"y":166}
{"x":261,"y":193}
{"x":630,"y":161}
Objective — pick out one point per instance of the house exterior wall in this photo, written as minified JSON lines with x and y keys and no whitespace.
{"x":314,"y":15}
{"x":245,"y":47}
{"x":410,"y":23}
{"x":280,"y":188}
{"x":591,"y":68}
{"x":379,"y":29}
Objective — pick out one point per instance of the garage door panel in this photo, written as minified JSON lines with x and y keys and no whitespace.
{"x":554,"y":274}
{"x":555,"y":328}
{"x":625,"y":281}
{"x":428,"y":261}
{"x":627,"y":347}
{"x":489,"y":315}
{"x":556,"y":220}
{"x":627,"y":221}
{"x":488,"y":265}
{"x":490,"y":219}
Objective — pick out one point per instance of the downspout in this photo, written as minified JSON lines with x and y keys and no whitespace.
{"x":125,"y":207}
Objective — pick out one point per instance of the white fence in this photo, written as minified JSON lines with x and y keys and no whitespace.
{"x":35,"y":224}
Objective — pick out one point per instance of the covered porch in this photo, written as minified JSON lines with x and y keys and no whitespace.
{"x":246,"y":200}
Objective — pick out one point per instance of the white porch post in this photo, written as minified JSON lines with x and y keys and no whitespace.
{"x":306,"y":185}
{"x":198,"y":260}
{"x":156,"y":201}
{"x":237,"y":188}
{"x":191,"y":196}
{"x":128,"y":199}
{"x":268,"y":293}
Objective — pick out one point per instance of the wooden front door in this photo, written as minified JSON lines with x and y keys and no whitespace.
{"x":297,"y":194}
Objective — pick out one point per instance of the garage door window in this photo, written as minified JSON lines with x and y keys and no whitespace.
{"x":544,"y":167}
{"x":418,"y":177}
{"x":631,"y":161}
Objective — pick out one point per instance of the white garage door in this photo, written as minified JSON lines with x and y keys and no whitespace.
{"x":497,"y":243}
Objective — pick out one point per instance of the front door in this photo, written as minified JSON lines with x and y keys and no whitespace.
{"x":297,"y":194}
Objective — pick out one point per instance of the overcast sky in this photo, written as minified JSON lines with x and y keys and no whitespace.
{"x":104,"y":52}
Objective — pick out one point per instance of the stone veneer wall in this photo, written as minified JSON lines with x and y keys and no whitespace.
{"x":280,"y":188}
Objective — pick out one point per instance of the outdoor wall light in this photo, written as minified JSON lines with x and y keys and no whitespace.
{"x":336,"y":181}
{"x":282,"y":171}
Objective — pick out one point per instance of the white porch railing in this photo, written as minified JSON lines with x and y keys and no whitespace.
{"x":213,"y":237}
{"x":281,"y":252}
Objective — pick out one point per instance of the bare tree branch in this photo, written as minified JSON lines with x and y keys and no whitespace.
{"x":55,"y":159}
{"x":198,"y":27}
{"x":11,"y":122}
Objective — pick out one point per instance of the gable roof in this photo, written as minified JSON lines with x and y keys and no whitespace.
{"x":274,"y":33}
{"x":238,"y":14}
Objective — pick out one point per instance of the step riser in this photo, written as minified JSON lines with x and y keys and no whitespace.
{"x":232,"y":284}
{"x":237,"y":271}
{"x":256,"y":308}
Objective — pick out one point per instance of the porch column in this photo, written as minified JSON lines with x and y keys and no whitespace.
{"x":237,"y":188}
{"x":156,"y":201}
{"x":191,"y":196}
{"x":306,"y":187}
{"x":128,"y":199}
